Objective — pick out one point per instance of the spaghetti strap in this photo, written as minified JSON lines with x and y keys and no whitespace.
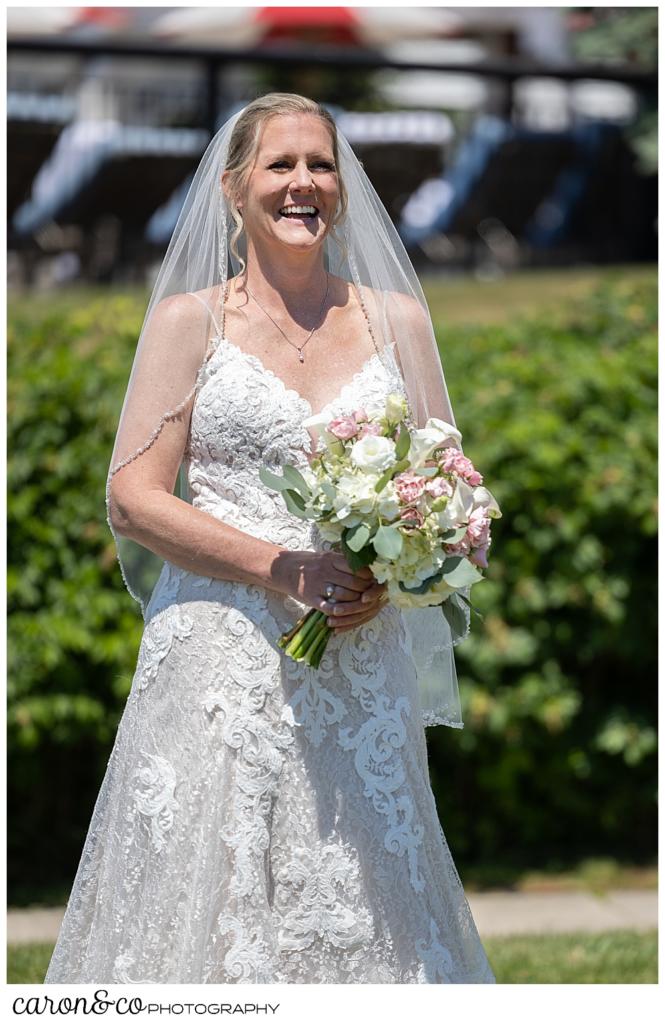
{"x":205,"y":304}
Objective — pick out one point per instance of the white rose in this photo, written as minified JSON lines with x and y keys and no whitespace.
{"x":373,"y":454}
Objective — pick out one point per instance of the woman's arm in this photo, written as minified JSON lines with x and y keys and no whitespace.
{"x":142,"y":505}
{"x":147,"y":513}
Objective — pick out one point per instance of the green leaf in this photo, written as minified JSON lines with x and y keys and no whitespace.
{"x":423,"y":587}
{"x":454,"y":615}
{"x":296,"y":505}
{"x":453,"y":536}
{"x":388,"y":542}
{"x":357,"y":536}
{"x":297,"y":480}
{"x":357,"y":559}
{"x":390,"y":473}
{"x":276,"y":483}
{"x":459,"y":572}
{"x":403,"y":443}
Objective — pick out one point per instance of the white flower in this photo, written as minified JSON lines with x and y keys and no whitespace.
{"x":459,"y":507}
{"x":432,"y":435}
{"x":395,"y":408}
{"x":373,"y":454}
{"x":319,"y":422}
{"x":388,"y":506}
{"x":355,"y":492}
{"x":481,"y":496}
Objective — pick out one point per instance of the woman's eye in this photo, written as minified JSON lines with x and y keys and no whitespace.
{"x":323,"y":164}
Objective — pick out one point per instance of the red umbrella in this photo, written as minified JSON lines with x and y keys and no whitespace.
{"x":335,"y":26}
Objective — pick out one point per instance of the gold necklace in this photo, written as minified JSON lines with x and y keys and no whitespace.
{"x":315,"y":328}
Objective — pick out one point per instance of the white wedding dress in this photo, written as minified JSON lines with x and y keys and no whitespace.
{"x":259,"y":821}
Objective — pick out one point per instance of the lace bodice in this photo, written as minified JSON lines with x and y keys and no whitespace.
{"x":245,"y":416}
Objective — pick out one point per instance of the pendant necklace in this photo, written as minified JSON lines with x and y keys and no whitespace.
{"x":292,"y":343}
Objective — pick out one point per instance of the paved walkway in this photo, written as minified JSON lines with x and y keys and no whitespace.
{"x":495,"y":913}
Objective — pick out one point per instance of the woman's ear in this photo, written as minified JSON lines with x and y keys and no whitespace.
{"x":226,"y":186}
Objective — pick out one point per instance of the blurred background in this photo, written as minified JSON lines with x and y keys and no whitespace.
{"x":516,"y":151}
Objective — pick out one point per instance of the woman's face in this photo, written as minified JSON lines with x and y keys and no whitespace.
{"x":294,"y":167}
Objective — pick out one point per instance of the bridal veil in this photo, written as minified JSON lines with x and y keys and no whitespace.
{"x":365,"y":249}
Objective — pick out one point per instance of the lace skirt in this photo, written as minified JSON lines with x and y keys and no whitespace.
{"x":260,"y":822}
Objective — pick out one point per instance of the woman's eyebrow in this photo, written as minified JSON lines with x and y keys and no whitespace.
{"x":290,"y":156}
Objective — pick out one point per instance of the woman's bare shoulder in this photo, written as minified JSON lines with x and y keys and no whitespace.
{"x":398,"y":308}
{"x":179,"y":328}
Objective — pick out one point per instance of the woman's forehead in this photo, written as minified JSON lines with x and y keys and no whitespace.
{"x":300,"y":130}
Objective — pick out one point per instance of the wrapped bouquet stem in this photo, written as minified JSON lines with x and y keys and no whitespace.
{"x":403,"y":501}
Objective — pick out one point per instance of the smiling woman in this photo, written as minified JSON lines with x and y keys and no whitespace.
{"x":259,"y":820}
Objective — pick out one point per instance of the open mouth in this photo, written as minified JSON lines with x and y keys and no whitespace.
{"x":305,"y":212}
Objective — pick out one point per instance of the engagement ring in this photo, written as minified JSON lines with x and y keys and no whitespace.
{"x":330,"y":590}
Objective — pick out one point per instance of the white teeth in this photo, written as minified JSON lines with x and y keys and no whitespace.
{"x":298,"y":209}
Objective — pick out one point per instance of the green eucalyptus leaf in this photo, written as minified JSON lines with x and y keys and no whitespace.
{"x":276,"y":483}
{"x":388,"y":542}
{"x":297,"y":480}
{"x":403,"y":443}
{"x":357,"y":536}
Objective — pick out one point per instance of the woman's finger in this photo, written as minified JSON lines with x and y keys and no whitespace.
{"x":351,"y":621}
{"x":348,"y":582}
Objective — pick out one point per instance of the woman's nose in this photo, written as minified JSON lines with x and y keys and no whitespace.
{"x":302,"y":177}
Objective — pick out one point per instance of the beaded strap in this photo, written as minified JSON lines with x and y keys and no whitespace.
{"x":166,"y":418}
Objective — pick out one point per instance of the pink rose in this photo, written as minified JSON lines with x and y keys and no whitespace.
{"x":438,"y":487}
{"x":412,"y":517}
{"x":409,"y":486}
{"x":343,"y":427}
{"x":369,"y":428}
{"x":360,"y":416}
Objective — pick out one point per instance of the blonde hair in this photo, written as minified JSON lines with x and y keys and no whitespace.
{"x":244,"y":142}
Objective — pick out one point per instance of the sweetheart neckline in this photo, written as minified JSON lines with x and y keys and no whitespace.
{"x":251,"y":357}
{"x":309,"y":455}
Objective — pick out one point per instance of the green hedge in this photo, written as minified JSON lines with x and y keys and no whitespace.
{"x":557,"y":760}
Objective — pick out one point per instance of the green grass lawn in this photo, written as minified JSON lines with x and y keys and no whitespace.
{"x":464,"y":299}
{"x":452,"y":298}
{"x":616,"y":957}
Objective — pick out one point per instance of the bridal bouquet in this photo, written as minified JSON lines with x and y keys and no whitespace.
{"x":397,"y":499}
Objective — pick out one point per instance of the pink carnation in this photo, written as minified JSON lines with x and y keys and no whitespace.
{"x":438,"y":487}
{"x":478,"y":529}
{"x":463,"y":547}
{"x":369,"y":428}
{"x":453,"y":461}
{"x":343,"y":427}
{"x":409,"y":486}
{"x":412,"y":517}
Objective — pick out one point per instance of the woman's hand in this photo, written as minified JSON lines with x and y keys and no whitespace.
{"x":357,"y":597}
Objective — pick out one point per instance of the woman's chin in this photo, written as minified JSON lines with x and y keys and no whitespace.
{"x":301,"y":240}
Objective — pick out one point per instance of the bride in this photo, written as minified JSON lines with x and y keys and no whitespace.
{"x":260,"y":821}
